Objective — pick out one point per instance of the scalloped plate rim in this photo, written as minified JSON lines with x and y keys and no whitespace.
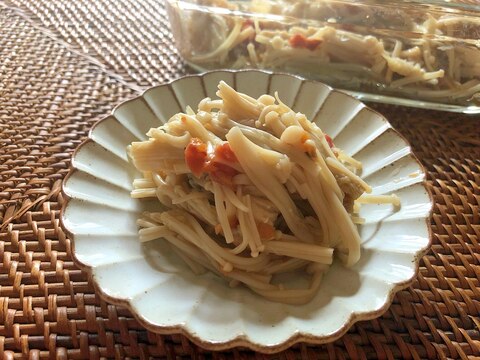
{"x":242,"y":339}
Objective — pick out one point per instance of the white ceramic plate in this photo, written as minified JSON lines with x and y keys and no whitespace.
{"x":163,"y":293}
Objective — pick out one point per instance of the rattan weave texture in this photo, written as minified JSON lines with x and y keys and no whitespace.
{"x":130,"y":37}
{"x":50,"y":95}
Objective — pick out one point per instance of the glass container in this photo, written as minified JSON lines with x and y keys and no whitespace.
{"x":424,"y":54}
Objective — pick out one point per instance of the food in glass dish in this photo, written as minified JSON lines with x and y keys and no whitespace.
{"x":418,"y":52}
{"x":251,"y":189}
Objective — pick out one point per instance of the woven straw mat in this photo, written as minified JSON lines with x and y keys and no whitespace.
{"x":65,"y":64}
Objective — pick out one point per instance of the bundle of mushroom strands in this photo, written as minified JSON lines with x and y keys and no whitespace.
{"x":251,"y":190}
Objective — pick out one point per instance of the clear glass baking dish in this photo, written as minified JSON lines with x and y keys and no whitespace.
{"x":424,"y":54}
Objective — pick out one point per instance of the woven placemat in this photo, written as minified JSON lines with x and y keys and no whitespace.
{"x":130,"y":37}
{"x":51,"y":94}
